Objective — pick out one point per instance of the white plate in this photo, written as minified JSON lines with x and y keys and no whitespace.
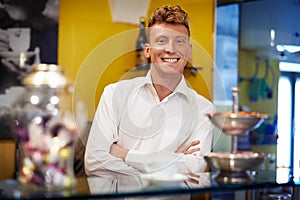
{"x":160,"y":178}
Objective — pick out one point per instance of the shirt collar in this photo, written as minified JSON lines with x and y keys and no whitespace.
{"x":181,"y":88}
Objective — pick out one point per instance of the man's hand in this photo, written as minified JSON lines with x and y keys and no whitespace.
{"x":187,"y":148}
{"x":117,"y":151}
{"x":193,"y":178}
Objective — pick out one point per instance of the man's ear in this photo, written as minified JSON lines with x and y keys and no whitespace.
{"x":147,"y":50}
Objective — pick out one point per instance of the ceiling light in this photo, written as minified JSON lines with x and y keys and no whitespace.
{"x":272,"y":37}
{"x":288,"y":48}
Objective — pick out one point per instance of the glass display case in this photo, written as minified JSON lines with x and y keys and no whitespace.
{"x":266,"y":183}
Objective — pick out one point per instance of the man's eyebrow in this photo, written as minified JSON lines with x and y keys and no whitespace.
{"x":182,"y":36}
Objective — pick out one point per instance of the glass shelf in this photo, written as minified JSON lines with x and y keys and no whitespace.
{"x":112,"y":185}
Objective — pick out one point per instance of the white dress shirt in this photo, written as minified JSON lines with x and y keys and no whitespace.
{"x":130,"y":114}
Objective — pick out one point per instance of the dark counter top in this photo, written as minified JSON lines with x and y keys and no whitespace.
{"x":112,"y":186}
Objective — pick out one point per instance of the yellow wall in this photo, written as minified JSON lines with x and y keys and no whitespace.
{"x":94,"y":51}
{"x":246,"y":70}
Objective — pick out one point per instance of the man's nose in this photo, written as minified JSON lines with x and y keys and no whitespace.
{"x":170,"y":47}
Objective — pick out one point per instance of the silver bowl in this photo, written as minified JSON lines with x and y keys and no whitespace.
{"x":241,"y":161}
{"x":235,"y":124}
{"x":234,"y":167}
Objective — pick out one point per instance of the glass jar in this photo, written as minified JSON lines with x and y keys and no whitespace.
{"x":46,"y":130}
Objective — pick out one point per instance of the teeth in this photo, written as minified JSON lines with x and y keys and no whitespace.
{"x":170,"y":60}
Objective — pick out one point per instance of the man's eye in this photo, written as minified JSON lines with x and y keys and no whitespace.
{"x":162,"y":41}
{"x":180,"y":41}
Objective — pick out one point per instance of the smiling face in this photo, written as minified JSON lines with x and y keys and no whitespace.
{"x":168,"y":47}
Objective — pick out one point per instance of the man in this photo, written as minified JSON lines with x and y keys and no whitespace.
{"x":154,"y":123}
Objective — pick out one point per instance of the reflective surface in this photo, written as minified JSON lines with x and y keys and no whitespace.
{"x":233,"y":166}
{"x":110,"y":185}
{"x":235,"y":124}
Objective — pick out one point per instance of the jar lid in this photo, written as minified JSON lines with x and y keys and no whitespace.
{"x":46,"y":75}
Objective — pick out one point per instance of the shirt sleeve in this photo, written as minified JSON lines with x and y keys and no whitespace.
{"x":102,"y":134}
{"x":191,"y":163}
